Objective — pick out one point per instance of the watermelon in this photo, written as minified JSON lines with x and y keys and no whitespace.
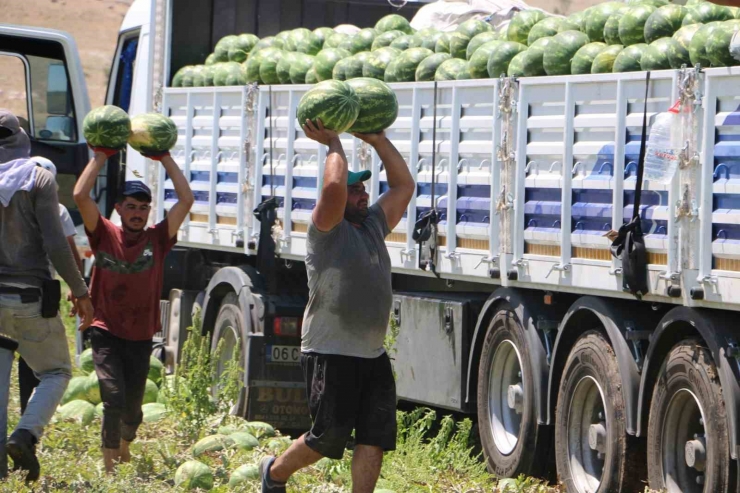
{"x":99,"y":410}
{"x":706,"y":12}
{"x":92,"y":389}
{"x":244,"y":440}
{"x":324,"y":62}
{"x":283,"y":67}
{"x":428,"y":67}
{"x":152,"y":133}
{"x":604,"y":61}
{"x":611,"y":30}
{"x":87,"y":365}
{"x":300,"y":65}
{"x":378,"y":61}
{"x":75,"y":390}
{"x":393,"y":22}
{"x":260,"y":429}
{"x":240,"y":48}
{"x":221,"y":50}
{"x":584,"y":57}
{"x":385,"y":39}
{"x":211,"y":59}
{"x":278,"y":445}
{"x":252,"y":68}
{"x":150,"y":392}
{"x":209,"y":72}
{"x":632,"y":24}
{"x":198,"y":79}
{"x":430,"y":42}
{"x":698,"y":46}
{"x":577,"y":19}
{"x":244,"y":474}
{"x":268,"y":67}
{"x":655,"y":56}
{"x":465,"y":73}
{"x":322,"y":33}
{"x":532,"y":64}
{"x":107,"y":126}
{"x":306,"y":41}
{"x":348,"y":68}
{"x":378,"y":105}
{"x":679,"y":52}
{"x":153,"y":412}
{"x":427,"y":31}
{"x":516,"y":65}
{"x":284,"y":38}
{"x":560,"y":52}
{"x":629,"y":58}
{"x":459,"y":45}
{"x":183,"y":77}
{"x":443,"y":44}
{"x":334,"y":40}
{"x":735,"y":12}
{"x":547,"y":27}
{"x":478,"y":41}
{"x":522,"y":23}
{"x":230,"y":74}
{"x":718,"y":44}
{"x":450,"y":69}
{"x":471,"y":27}
{"x":194,"y":475}
{"x":406,"y":41}
{"x":311,"y":77}
{"x":478,"y":64}
{"x":403,"y":68}
{"x":363,"y":41}
{"x":598,"y":16}
{"x":332,"y":101}
{"x":653,"y":3}
{"x":78,"y":411}
{"x":664,"y":22}
{"x":212,"y":443}
{"x":498,"y":61}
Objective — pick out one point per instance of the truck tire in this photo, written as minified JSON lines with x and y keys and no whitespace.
{"x":229,"y":328}
{"x":688,"y":447}
{"x":512,"y":441}
{"x":592,"y":450}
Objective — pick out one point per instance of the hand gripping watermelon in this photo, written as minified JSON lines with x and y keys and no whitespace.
{"x":378,"y":61}
{"x":560,"y":52}
{"x":632,"y":24}
{"x":498,"y":61}
{"x":664,"y":22}
{"x":333,"y":102}
{"x":378,"y":105}
{"x":629,"y":58}
{"x":107,"y":126}
{"x":450,"y":69}
{"x":522,"y":23}
{"x":325,"y":61}
{"x":597,"y":18}
{"x":393,"y":22}
{"x":152,"y":133}
{"x":679,"y":52}
{"x":428,"y":67}
{"x":655,"y":56}
{"x":584,"y":57}
{"x":385,"y":39}
{"x":604,"y":61}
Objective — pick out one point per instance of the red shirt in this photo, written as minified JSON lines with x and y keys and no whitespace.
{"x":127,"y":278}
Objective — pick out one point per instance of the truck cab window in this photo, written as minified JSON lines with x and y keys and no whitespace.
{"x":51,"y":100}
{"x":13,"y":87}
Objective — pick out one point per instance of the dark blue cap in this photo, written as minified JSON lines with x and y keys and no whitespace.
{"x":134,"y":187}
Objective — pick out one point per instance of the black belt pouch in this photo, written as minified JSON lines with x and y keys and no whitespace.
{"x":51,"y":295}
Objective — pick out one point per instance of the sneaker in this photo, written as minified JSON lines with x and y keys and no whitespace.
{"x":268,"y":485}
{"x":22,"y":449}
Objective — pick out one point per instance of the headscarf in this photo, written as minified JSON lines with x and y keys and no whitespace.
{"x":18,"y":145}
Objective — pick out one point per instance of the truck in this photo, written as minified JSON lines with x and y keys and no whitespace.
{"x":519,"y":316}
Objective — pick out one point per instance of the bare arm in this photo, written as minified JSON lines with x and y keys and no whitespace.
{"x":177,"y":214}
{"x":329,"y":210}
{"x":86,"y":205}
{"x":401,"y":186}
{"x":76,"y":254}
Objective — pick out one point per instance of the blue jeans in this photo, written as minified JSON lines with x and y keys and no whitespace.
{"x":42,"y":342}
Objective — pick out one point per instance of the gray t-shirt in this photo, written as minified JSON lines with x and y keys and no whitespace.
{"x":349,"y":282}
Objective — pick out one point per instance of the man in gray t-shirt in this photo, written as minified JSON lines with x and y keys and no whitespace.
{"x":349,"y":379}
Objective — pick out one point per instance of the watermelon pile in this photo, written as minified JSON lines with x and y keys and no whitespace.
{"x":392,"y":51}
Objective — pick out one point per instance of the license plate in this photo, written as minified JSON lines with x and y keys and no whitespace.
{"x":284,"y":354}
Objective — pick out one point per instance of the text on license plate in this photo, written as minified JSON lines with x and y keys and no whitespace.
{"x":283,"y":354}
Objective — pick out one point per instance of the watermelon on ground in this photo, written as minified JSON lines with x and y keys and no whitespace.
{"x":212,"y":443}
{"x":241,"y":47}
{"x":522,"y":23}
{"x":363,"y":40}
{"x":283,"y":66}
{"x":706,"y":12}
{"x":655,"y":56}
{"x":194,"y":475}
{"x":279,"y":445}
{"x":404,"y":67}
{"x":679,"y":52}
{"x":578,"y":19}
{"x":632,"y":24}
{"x":718,"y":44}
{"x":459,"y":44}
{"x":87,"y":364}
{"x":664,"y":22}
{"x":260,"y":429}
{"x":333,"y":102}
{"x":406,"y":41}
{"x":92,"y":388}
{"x":560,"y":52}
{"x":393,"y":22}
{"x":597,"y":18}
{"x":584,"y":57}
{"x":322,"y":33}
{"x":498,"y":61}
{"x":75,"y":389}
{"x":152,"y":133}
{"x":604,"y":61}
{"x":378,"y":105}
{"x":532,"y":63}
{"x":156,"y":366}
{"x":244,"y":440}
{"x":450,"y":69}
{"x":428,"y":67}
{"x":378,"y":61}
{"x":443,"y":44}
{"x":334,"y":40}
{"x":232,"y":73}
{"x":430,"y":42}
{"x":221,"y":50}
{"x":385,"y":39}
{"x":77,"y":410}
{"x":107,"y":126}
{"x":516,"y":65}
{"x":698,"y":46}
{"x":547,"y":27}
{"x":153,"y":412}
{"x":629,"y":59}
{"x":471,"y":27}
{"x":324,"y":62}
{"x":478,"y":64}
{"x":268,"y":68}
{"x":151,"y":392}
{"x":478,"y":41}
{"x":244,"y":474}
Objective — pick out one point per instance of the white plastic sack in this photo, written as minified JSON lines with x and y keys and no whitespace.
{"x":446,"y":15}
{"x":348,"y":29}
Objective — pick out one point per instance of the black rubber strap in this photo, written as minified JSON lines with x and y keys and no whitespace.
{"x":643,"y":145}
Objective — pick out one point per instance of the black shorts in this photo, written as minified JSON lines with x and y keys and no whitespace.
{"x":345,"y":394}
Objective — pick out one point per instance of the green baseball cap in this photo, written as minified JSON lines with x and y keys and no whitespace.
{"x":355,"y":177}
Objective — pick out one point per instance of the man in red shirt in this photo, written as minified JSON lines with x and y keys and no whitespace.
{"x":126,"y":286}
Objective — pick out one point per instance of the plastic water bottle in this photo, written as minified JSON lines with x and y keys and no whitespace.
{"x":663,"y":147}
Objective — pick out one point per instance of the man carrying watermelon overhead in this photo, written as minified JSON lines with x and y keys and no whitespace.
{"x":126,"y":285}
{"x":349,"y":379}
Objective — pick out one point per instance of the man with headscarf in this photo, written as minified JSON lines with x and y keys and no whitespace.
{"x":31,"y":235}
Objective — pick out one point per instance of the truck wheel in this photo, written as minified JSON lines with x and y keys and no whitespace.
{"x":228,"y":330}
{"x":592,"y":449}
{"x":688,"y":448}
{"x":512,"y":442}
